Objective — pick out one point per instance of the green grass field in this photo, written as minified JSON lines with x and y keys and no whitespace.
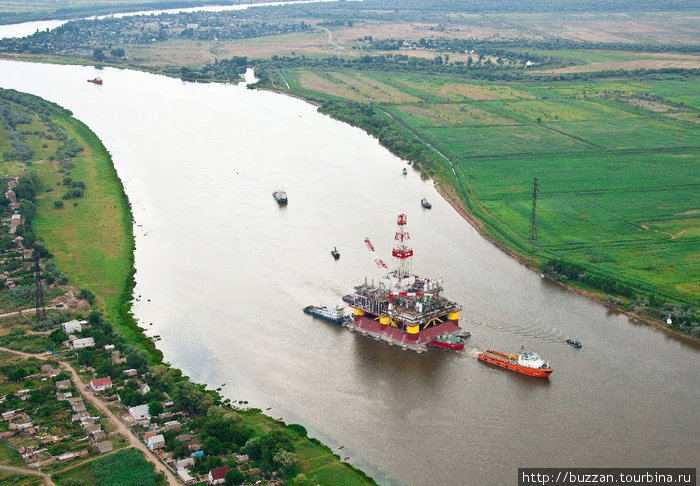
{"x":126,"y":467}
{"x":90,"y":237}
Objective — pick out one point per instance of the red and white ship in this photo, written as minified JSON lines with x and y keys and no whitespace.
{"x":403,"y":309}
{"x":526,"y":363}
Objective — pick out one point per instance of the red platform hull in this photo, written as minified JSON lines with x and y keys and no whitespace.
{"x":398,"y":336}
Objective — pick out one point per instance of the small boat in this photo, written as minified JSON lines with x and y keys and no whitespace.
{"x":405,"y":172}
{"x":526,"y":363}
{"x":332,"y":314}
{"x":280,"y":196}
{"x":462,"y":333}
{"x":575,"y":342}
{"x":447,"y":341}
{"x":335,"y":253}
{"x":95,"y":81}
{"x":424,"y":202}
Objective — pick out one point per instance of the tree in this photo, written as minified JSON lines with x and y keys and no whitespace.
{"x":118,"y":52}
{"x":98,"y":55}
{"x":285,"y":460}
{"x":137,"y":359}
{"x":212,"y":446}
{"x":155,"y":408}
{"x":190,"y":398}
{"x":57,"y":336}
{"x":234,"y":477}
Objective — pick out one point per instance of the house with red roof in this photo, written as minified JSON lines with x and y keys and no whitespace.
{"x":218,"y":475}
{"x":100,"y":384}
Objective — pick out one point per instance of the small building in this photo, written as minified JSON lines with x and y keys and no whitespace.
{"x":172,"y":425}
{"x":184,"y":476}
{"x":140,"y":413}
{"x":241,"y":458}
{"x":184,"y":463}
{"x":79,"y":407}
{"x":104,"y":446}
{"x":144,"y":388}
{"x":149,"y":434}
{"x":156,"y":442}
{"x":73,"y":326}
{"x":63,"y":384}
{"x":131,"y":372}
{"x":63,"y":396}
{"x":68,"y":456}
{"x":109,"y":347}
{"x":218,"y":475}
{"x":98,"y":435}
{"x":100,"y":384}
{"x":82,"y":343}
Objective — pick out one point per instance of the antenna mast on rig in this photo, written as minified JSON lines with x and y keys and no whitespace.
{"x":402,"y":253}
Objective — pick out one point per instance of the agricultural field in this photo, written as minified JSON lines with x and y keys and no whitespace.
{"x":124,"y":467}
{"x":617,"y":163}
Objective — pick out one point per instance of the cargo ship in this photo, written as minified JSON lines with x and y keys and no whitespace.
{"x":402,"y":309}
{"x":526,"y":363}
{"x":332,"y":314}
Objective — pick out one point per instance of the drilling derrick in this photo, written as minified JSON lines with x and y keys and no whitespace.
{"x":402,"y":253}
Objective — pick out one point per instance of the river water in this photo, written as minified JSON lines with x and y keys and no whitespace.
{"x":223,"y":273}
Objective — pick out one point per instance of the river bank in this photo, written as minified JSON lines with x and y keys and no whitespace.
{"x":103,"y":263}
{"x":449,"y":194}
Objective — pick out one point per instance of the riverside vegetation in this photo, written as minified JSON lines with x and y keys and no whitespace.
{"x":484,"y":97}
{"x":59,"y":179}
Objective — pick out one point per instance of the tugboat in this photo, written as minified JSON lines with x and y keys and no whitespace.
{"x":575,"y":342}
{"x":424,"y":202}
{"x":281,"y":197}
{"x":335,"y":253}
{"x":95,"y":81}
{"x":462,"y":333}
{"x":331,"y":314}
{"x":526,"y":363}
{"x":447,"y":341}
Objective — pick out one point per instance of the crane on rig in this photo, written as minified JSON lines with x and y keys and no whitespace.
{"x":378,"y":261}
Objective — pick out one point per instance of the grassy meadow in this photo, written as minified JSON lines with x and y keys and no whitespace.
{"x":616,"y":160}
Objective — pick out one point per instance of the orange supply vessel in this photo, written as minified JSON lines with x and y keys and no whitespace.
{"x":526,"y":363}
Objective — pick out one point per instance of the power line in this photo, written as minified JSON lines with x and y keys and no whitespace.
{"x":533,"y":218}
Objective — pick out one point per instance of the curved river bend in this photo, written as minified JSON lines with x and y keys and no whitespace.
{"x":223,"y":273}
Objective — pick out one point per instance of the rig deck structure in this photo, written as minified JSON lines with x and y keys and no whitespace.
{"x":407,"y":310}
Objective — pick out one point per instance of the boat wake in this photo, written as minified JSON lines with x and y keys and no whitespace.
{"x":552,"y":335}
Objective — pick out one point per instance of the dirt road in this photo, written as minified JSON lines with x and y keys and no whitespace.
{"x":101,"y":406}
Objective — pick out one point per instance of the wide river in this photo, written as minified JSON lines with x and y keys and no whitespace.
{"x":223,"y":273}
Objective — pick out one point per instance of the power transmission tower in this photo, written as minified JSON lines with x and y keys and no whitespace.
{"x":533,"y":219}
{"x":40,"y":310}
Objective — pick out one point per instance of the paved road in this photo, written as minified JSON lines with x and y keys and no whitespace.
{"x":100,"y":405}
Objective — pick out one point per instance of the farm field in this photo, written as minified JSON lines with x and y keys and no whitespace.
{"x":617,"y":163}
